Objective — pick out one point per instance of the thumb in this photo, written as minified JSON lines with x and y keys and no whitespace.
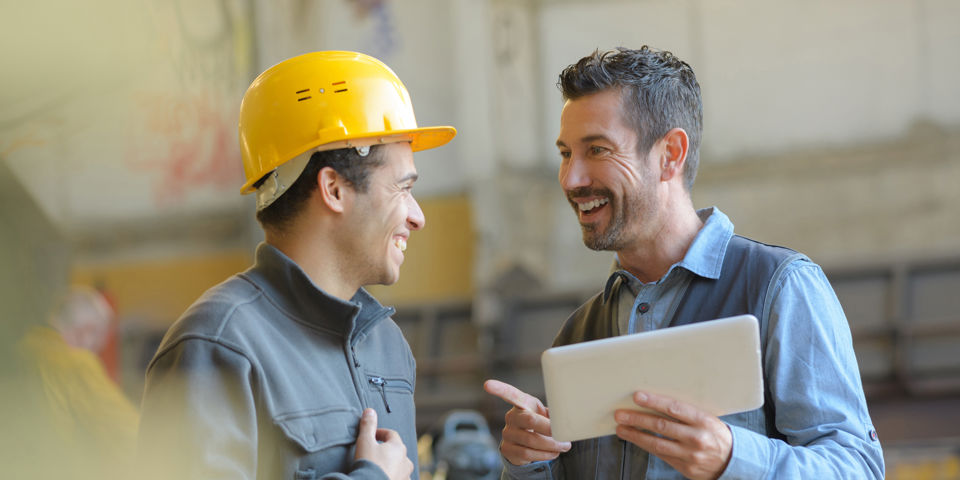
{"x":368,"y":427}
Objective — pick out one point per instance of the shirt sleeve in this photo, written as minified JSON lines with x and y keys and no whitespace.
{"x":534,"y":470}
{"x":814,"y":384}
{"x":198,"y":417}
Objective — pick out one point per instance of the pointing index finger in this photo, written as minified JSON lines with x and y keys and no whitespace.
{"x":514,"y":396}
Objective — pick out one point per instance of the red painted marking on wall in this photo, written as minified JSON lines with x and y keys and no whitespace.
{"x":190,"y":142}
{"x":19,"y":143}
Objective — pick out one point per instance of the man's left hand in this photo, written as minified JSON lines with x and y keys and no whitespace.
{"x":695,"y":443}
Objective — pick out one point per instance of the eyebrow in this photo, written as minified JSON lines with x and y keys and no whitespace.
{"x":413,"y":176}
{"x":587,"y":139}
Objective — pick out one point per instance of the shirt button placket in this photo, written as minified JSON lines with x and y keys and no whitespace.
{"x":647,"y":323}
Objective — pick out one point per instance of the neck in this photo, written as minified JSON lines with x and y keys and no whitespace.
{"x":649,"y":259}
{"x":317,"y":257}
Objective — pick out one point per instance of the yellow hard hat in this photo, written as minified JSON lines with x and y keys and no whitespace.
{"x":325,"y":101}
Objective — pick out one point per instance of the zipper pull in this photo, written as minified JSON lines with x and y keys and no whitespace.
{"x":353,"y":349}
{"x":380,"y":382}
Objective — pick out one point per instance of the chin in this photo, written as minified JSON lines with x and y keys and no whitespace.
{"x":600,"y":241}
{"x":391,"y":277}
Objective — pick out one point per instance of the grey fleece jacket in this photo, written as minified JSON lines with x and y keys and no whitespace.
{"x":265,"y":377}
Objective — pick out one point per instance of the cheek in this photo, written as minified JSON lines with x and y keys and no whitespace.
{"x":626,"y":172}
{"x":395,"y":217}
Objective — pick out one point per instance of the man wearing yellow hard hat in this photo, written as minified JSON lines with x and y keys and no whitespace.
{"x":291,"y":369}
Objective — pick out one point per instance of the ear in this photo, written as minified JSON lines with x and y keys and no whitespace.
{"x":332,"y":189}
{"x":674,"y":154}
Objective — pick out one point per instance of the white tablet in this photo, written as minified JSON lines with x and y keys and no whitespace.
{"x":714,"y":365}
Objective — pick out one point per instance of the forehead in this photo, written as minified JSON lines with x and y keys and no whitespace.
{"x":597,"y":114}
{"x":397,"y":159}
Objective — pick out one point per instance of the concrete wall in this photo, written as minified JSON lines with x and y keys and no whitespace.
{"x":830,"y":126}
{"x":120,"y":117}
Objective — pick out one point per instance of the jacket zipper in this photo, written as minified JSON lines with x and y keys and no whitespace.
{"x":382,"y":385}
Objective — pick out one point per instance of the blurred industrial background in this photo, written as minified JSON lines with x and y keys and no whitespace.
{"x":831,"y":126}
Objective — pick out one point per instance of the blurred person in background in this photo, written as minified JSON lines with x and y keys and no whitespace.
{"x":63,"y":417}
{"x":85,"y":404}
{"x":629,"y":142}
{"x":83,"y":318}
{"x":291,"y":369}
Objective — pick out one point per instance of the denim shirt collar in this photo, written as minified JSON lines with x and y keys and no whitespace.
{"x":704,"y":257}
{"x":289,"y":287}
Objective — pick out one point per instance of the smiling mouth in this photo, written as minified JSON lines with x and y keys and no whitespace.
{"x":586,"y":208}
{"x":400,"y":243}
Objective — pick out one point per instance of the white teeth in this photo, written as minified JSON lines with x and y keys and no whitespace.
{"x":401,"y":244}
{"x":592,"y":204}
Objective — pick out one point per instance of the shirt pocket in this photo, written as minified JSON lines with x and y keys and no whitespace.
{"x":322,"y":429}
{"x":389,"y":388}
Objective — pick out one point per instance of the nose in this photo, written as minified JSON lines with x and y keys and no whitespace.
{"x":573,"y":173}
{"x":415,"y":218}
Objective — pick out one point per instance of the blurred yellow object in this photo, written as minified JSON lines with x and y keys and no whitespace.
{"x":325,"y":101}
{"x":943,"y":468}
{"x":82,"y":423}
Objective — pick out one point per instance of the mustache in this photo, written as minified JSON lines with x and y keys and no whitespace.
{"x":588,"y":192}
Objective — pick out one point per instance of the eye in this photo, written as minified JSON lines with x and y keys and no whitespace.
{"x":564,"y":154}
{"x":595,"y":150}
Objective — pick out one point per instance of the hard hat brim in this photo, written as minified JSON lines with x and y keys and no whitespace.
{"x":422,"y":138}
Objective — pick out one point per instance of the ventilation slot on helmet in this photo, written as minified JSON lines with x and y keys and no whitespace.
{"x":341,"y":82}
{"x":300,"y":92}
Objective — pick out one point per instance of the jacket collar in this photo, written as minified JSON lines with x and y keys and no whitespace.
{"x":289,"y":288}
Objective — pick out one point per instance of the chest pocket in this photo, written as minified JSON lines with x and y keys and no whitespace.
{"x":318,"y":430}
{"x":389,"y":388}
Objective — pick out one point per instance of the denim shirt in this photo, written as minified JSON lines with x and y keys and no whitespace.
{"x":817,"y":426}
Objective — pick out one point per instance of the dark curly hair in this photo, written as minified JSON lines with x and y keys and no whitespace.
{"x":347,"y":162}
{"x":660,"y":92}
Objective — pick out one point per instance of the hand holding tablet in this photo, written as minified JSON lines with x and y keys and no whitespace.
{"x":713,"y":365}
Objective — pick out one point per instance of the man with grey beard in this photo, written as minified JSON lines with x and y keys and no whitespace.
{"x":629,"y":140}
